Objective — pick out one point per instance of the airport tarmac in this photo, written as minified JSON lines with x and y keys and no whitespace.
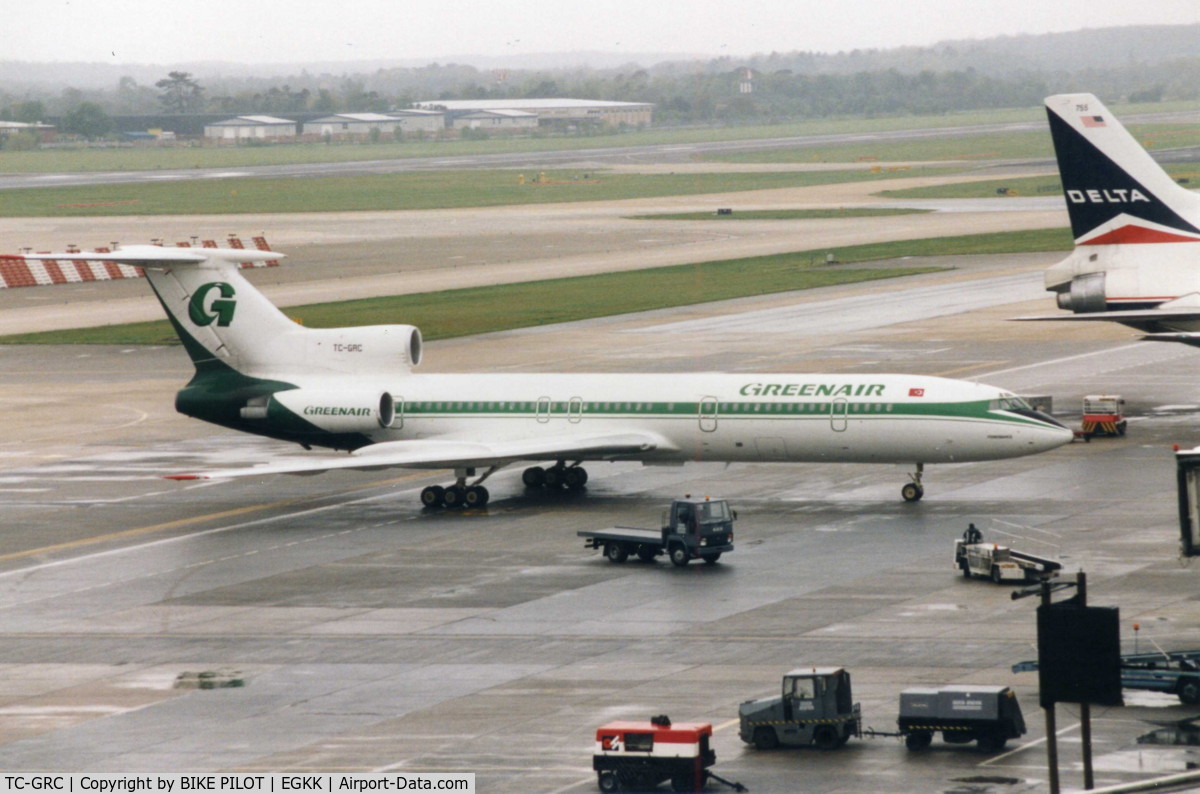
{"x":372,"y":635}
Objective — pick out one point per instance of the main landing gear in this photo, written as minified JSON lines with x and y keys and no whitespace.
{"x":913,"y":491}
{"x":555,"y":477}
{"x":460,"y":494}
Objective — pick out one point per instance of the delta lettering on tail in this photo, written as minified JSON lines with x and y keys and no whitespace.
{"x":1137,"y":232}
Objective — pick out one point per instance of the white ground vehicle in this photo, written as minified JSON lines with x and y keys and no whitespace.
{"x":999,"y":563}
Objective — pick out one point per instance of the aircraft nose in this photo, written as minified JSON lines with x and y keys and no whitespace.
{"x":1054,"y":434}
{"x":1049,"y":433}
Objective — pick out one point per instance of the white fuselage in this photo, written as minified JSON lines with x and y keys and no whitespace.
{"x":712,"y":417}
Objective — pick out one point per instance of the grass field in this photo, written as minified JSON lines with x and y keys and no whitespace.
{"x":463,"y":312}
{"x":965,"y":147}
{"x":1016,"y":145}
{"x":419,"y":190}
{"x":1048,"y":185}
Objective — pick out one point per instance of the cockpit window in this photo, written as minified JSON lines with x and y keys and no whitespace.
{"x":1009,"y":402}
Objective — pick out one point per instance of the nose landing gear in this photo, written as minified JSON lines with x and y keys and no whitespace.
{"x":913,"y":491}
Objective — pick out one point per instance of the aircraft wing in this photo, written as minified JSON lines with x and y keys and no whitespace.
{"x":437,"y":453}
{"x":1177,"y":314}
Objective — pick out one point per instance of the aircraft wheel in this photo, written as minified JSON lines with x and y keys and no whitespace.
{"x":554,"y":477}
{"x":433,"y":496}
{"x":575,"y":477}
{"x":912,"y":492}
{"x":534,"y":477}
{"x":476,"y":496}
{"x":455,"y":496}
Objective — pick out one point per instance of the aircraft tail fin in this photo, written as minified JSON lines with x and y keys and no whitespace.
{"x":1116,"y":193}
{"x":224,"y":322}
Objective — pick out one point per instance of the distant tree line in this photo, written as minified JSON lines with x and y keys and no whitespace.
{"x":765,"y":89}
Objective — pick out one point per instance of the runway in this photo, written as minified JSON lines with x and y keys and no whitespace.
{"x":372,"y":635}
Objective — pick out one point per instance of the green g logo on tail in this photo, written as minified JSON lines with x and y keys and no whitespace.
{"x":220,"y":310}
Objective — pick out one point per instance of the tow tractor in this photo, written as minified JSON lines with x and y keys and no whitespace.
{"x":692,"y":528}
{"x":1174,"y":672}
{"x":1103,"y":415}
{"x":999,"y":563}
{"x":817,"y":709}
{"x":637,"y":756}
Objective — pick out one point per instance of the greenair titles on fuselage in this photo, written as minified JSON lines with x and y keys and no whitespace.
{"x":812,"y":390}
{"x":335,"y":410}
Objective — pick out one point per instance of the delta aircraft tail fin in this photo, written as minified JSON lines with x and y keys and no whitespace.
{"x":1116,"y":193}
{"x":1136,"y":259}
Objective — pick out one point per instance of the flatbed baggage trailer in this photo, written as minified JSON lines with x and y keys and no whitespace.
{"x":1173,"y":672}
{"x":691,"y":529}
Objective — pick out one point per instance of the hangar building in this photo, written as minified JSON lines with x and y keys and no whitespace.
{"x":263,"y":128}
{"x":360,"y":126}
{"x":567,"y":113}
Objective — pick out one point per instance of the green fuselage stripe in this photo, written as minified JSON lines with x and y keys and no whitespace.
{"x":978,"y":410}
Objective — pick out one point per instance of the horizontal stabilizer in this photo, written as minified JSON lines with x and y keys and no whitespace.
{"x":158,"y":256}
{"x":433,"y":453}
{"x":1165,"y":312}
{"x":127,"y":262}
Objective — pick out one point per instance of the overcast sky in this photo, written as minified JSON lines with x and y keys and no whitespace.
{"x":263,"y":31}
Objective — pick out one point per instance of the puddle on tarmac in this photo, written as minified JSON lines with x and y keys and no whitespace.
{"x":1185,"y":733}
{"x":1149,"y":760}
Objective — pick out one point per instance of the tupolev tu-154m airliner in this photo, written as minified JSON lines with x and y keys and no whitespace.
{"x":354,"y":389}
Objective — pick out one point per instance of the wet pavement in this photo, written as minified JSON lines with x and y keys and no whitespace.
{"x":373,"y":635}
